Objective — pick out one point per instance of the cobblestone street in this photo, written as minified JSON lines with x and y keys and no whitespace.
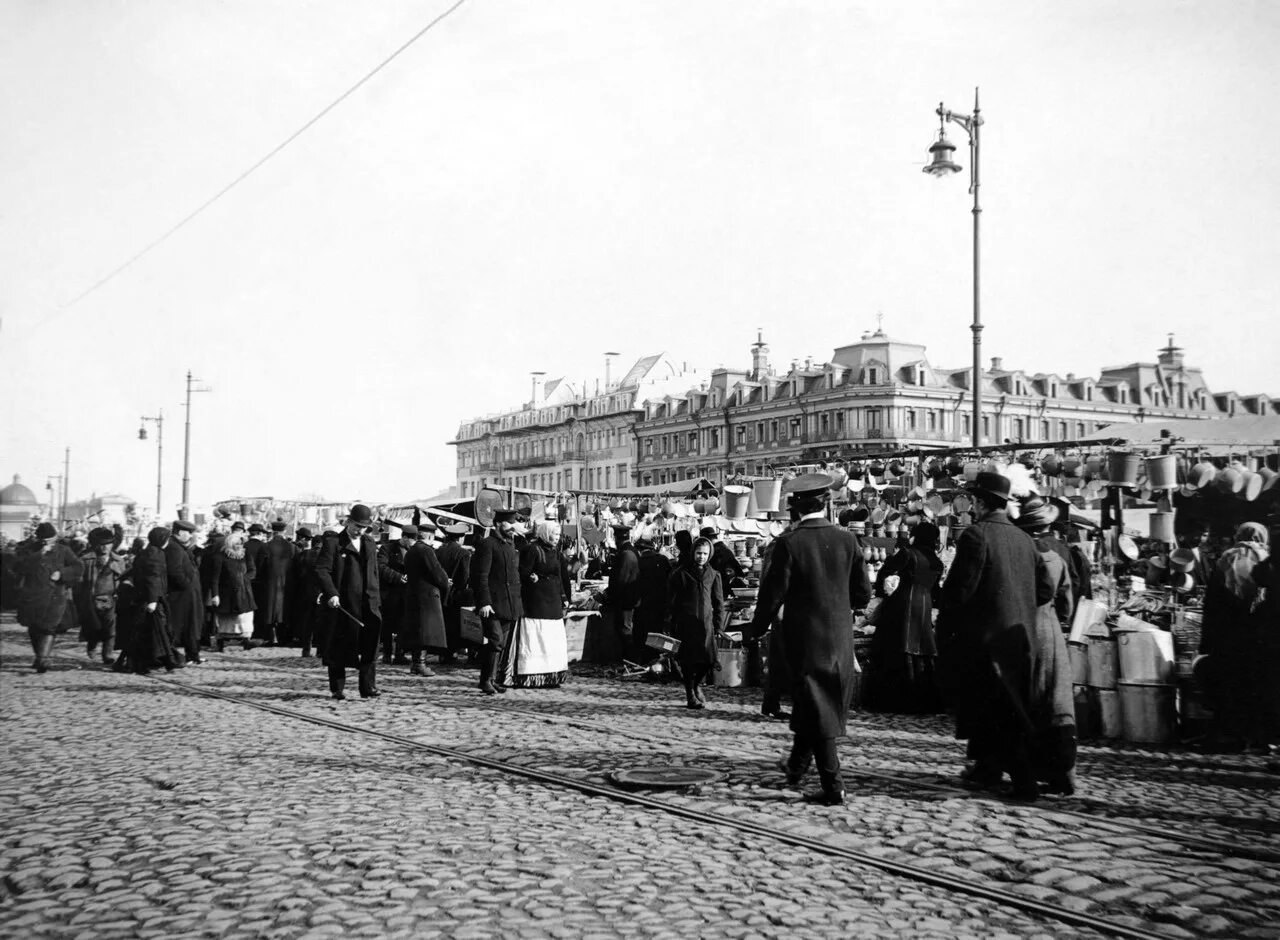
{"x":135,"y":806}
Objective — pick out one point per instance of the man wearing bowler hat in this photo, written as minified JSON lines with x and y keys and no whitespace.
{"x":985,"y":639}
{"x":186,"y":602}
{"x":347,"y":571}
{"x":495,"y":578}
{"x":817,"y":578}
{"x":456,"y":561}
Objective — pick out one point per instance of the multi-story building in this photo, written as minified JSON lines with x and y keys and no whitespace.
{"x":663,"y":423}
{"x":566,"y":437}
{"x":881,"y":394}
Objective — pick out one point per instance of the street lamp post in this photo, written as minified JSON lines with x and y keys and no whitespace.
{"x":142,"y":436}
{"x":186,"y":450}
{"x":940,"y":165}
{"x":55,"y":496}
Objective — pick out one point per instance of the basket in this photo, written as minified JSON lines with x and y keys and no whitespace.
{"x":471,"y":627}
{"x":660,"y":641}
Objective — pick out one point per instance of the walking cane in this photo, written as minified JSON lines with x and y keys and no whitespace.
{"x":350,"y":616}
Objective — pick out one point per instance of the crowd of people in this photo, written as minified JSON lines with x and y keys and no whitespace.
{"x":985,"y":639}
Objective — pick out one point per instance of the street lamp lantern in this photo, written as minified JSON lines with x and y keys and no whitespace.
{"x":142,"y":434}
{"x":941,"y":165}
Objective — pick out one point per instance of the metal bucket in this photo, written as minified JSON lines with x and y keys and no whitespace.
{"x":736,"y":501}
{"x":1149,"y":712}
{"x":1145,"y":656}
{"x":768,"y":494}
{"x":1162,"y":472}
{"x":1161,"y":526}
{"x":1109,"y":720}
{"x":1079,"y":655}
{"x":1103,"y":663}
{"x":1122,"y":468}
{"x":731,"y":668}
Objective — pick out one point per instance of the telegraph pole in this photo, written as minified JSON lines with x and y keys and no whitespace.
{"x":66,"y":479}
{"x":186,"y":450}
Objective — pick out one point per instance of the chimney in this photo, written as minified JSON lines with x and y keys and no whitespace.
{"x":1171,"y":355}
{"x":808,"y":363}
{"x":1071,"y":376}
{"x":997,"y":364}
{"x":608,"y":369}
{"x":537,"y":387}
{"x":759,"y":357}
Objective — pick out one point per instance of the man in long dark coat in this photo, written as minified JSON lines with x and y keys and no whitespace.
{"x":47,"y":570}
{"x":455,"y":559}
{"x":422,"y":626}
{"x":817,"y":575}
{"x":95,"y":594}
{"x":623,"y":593}
{"x":186,"y":602}
{"x":152,"y":642}
{"x":255,"y":560}
{"x":723,"y":560}
{"x":274,"y":577}
{"x":495,"y":578}
{"x":302,"y":590}
{"x":347,"y":570}
{"x":394,"y":580}
{"x":986,"y":630}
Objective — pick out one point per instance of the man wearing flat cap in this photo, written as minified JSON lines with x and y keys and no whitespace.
{"x":817,"y":577}
{"x":347,"y":571}
{"x":455,"y":559}
{"x":985,"y":638}
{"x":255,"y":557}
{"x":186,"y":605}
{"x":95,"y":593}
{"x":495,"y":578}
{"x":274,"y":604}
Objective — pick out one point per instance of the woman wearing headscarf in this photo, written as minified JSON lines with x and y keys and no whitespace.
{"x":1050,"y":705}
{"x":1235,"y":641}
{"x":538,"y":654}
{"x":900,"y":675}
{"x":232,"y":589}
{"x":697,"y":613}
{"x":152,"y":642}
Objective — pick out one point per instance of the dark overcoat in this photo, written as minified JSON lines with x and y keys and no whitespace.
{"x":152,"y":641}
{"x":816,"y":570}
{"x":455,"y":559}
{"x":42,"y":602}
{"x":725,"y":561}
{"x":276,"y":559}
{"x":651,"y":588}
{"x":987,"y":625}
{"x":623,"y":591}
{"x":495,"y":577}
{"x":231,"y":571}
{"x":422,"y":625}
{"x":352,"y":575}
{"x":695,"y":606}
{"x":303,"y":588}
{"x":543,"y":599}
{"x":95,"y":593}
{"x":186,"y":607}
{"x":392,"y":567}
{"x":255,"y":552}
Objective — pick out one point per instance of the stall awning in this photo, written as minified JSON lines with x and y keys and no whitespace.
{"x":680,"y":489}
{"x":1251,"y":432}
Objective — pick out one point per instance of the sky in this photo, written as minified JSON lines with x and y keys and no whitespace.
{"x":530,"y":185}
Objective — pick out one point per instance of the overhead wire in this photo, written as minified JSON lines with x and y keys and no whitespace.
{"x":121,"y":268}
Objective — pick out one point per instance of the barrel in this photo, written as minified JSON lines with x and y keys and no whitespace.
{"x":736,"y":501}
{"x":1145,"y":655}
{"x":1161,"y":526}
{"x":1162,"y":472}
{"x":1103,"y":656}
{"x":768,"y":494}
{"x":731,"y":667}
{"x":1109,"y":720}
{"x":1149,"y":712}
{"x":1122,"y":468}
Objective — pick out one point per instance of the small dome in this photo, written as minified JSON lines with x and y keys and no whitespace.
{"x":15,"y":494}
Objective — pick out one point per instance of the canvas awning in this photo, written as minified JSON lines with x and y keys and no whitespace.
{"x":1254,"y":431}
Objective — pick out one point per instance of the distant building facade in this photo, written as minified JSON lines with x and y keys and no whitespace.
{"x":566,"y":437}
{"x":663,"y":423}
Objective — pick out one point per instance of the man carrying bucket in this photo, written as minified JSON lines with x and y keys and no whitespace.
{"x":816,"y":573}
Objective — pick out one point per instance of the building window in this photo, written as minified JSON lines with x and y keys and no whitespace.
{"x":1062,"y":430}
{"x":911,"y":419}
{"x":759,"y":431}
{"x":824,"y":423}
{"x":933,"y":419}
{"x":795,"y":427}
{"x":986,"y":427}
{"x":715,"y":438}
{"x":1017,"y":429}
{"x":693,"y":441}
{"x":740,"y":435}
{"x":873,"y":376}
{"x":773,"y":430}
{"x":1044,"y":430}
{"x":608,"y":476}
{"x":873,"y":417}
{"x":1080,"y":429}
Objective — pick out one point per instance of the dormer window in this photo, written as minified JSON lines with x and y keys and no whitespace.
{"x":920,"y":377}
{"x":873,"y":376}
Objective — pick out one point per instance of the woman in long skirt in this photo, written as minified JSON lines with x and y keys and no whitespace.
{"x":696,"y":609}
{"x":900,"y":676}
{"x":232,"y":589}
{"x":538,"y":655}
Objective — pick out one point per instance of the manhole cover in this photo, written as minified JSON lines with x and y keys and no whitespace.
{"x":664,"y":778}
